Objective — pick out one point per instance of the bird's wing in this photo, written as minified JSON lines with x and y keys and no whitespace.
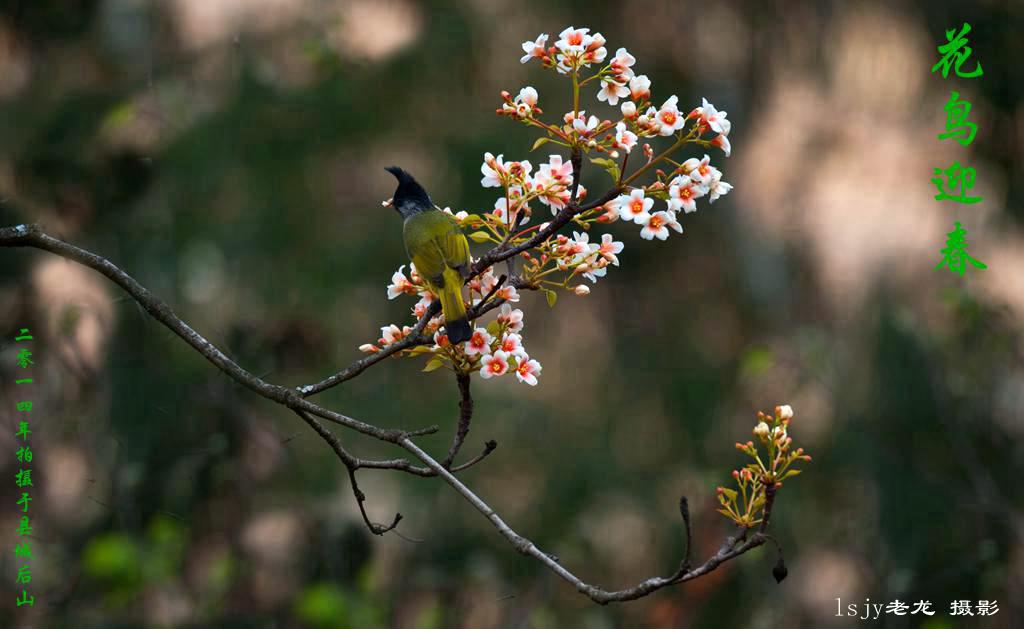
{"x":454,"y":247}
{"x":445,"y":247}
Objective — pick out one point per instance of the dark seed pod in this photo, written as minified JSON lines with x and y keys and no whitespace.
{"x":779,"y":571}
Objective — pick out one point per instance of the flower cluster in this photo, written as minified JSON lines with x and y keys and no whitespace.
{"x":493,"y":350}
{"x":497,"y":349}
{"x":763,"y":477}
{"x":577,"y":50}
{"x":558,"y":261}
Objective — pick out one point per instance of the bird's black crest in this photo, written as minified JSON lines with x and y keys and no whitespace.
{"x":410,"y":197}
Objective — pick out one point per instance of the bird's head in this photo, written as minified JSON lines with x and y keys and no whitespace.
{"x":410,"y":197}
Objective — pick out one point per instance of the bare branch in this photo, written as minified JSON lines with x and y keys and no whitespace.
{"x":412,"y":340}
{"x":376,"y":529}
{"x":684,"y":511}
{"x":352,"y":464}
{"x":489,"y":446}
{"x":33,"y":236}
{"x":494,"y":289}
{"x":735,"y":545}
{"x":465,"y":417}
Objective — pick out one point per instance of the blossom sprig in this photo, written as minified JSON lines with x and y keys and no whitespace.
{"x":757,"y":482}
{"x":651,"y":192}
{"x":582,"y":56}
{"x":563,"y":262}
{"x":573,"y":54}
{"x":493,"y":350}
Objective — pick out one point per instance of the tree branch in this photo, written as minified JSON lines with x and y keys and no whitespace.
{"x":413,"y":339}
{"x":465,"y":416}
{"x":735,"y":545}
{"x":33,"y":236}
{"x":352,"y":464}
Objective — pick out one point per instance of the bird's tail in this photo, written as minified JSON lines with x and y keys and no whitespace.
{"x":456,"y":323}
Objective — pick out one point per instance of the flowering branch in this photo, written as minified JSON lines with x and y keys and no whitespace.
{"x":550,"y":261}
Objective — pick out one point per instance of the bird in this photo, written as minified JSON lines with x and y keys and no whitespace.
{"x":437,"y":247}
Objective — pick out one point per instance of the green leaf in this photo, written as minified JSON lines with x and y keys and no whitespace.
{"x":729,"y":493}
{"x":551,"y":296}
{"x":419,"y":349}
{"x":432,"y":364}
{"x":479,"y":236}
{"x":790,"y":473}
{"x":539,"y":143}
{"x":609,"y":165}
{"x":492,"y":327}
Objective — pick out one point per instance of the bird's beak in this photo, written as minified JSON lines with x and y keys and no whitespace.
{"x":388,"y":203}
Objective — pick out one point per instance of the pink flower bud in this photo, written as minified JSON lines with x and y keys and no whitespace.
{"x":582,"y":290}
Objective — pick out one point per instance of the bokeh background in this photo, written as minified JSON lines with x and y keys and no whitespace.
{"x":229,"y":154}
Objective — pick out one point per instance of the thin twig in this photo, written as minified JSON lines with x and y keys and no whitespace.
{"x":363,"y":364}
{"x":577,"y":174}
{"x":494,"y":289}
{"x":769,"y":500}
{"x":465,"y":417}
{"x":352,"y":464}
{"x":376,"y":529}
{"x":684,"y":511}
